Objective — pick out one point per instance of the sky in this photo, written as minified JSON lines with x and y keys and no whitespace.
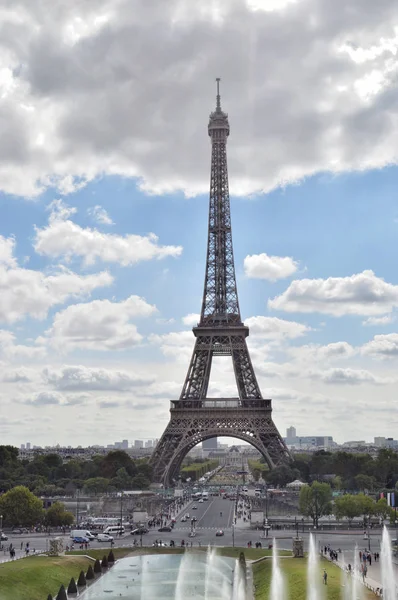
{"x":104,"y":177}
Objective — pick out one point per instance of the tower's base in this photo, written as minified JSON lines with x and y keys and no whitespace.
{"x":193,"y":421}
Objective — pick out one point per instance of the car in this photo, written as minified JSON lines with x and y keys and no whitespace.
{"x":20,"y":530}
{"x":183,"y":519}
{"x":187,"y":515}
{"x":192,"y":534}
{"x":194,"y":519}
{"x":219,"y":533}
{"x":139,"y":531}
{"x":80,"y":540}
{"x":104,"y":537}
{"x":201,"y":501}
{"x":194,"y":507}
{"x":3,"y":537}
{"x":165,"y":529}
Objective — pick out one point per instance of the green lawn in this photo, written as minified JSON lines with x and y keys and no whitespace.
{"x":295,"y":570}
{"x":35,"y":577}
{"x":100,"y":552}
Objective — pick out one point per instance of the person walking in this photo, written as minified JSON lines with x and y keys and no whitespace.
{"x":325,"y":577}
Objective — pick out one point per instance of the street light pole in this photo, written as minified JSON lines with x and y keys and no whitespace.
{"x":233,"y":535}
{"x":1,"y":522}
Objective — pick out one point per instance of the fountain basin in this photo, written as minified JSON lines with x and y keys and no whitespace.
{"x":197,"y":576}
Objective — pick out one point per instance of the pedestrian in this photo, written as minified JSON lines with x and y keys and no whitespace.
{"x":21,"y":545}
{"x":360,"y":555}
{"x":325,"y":577}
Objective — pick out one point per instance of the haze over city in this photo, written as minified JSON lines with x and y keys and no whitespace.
{"x":104,"y":208}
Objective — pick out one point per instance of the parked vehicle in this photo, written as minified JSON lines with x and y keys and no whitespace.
{"x":3,"y":537}
{"x":165,"y":529}
{"x":80,"y":540}
{"x":20,"y":530}
{"x":139,"y":531}
{"x":82,"y":533}
{"x":104,"y":537}
{"x":219,"y":533}
{"x":114,"y":530}
{"x":194,"y":507}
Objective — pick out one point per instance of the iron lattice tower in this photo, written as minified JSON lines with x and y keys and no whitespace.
{"x":220,"y":332}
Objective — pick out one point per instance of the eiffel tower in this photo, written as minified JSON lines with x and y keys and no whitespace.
{"x":220,"y":332}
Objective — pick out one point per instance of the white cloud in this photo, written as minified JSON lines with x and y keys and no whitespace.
{"x":177,"y":344}
{"x":376,"y":321}
{"x":102,"y":88}
{"x":262,"y":266}
{"x":274,"y":328}
{"x":64,"y":238}
{"x":78,"y":378}
{"x":382,"y":346}
{"x":99,"y":325}
{"x":309,"y":353}
{"x":44,"y":399}
{"x":10,"y":350}
{"x":361,"y":294}
{"x":99,"y":214}
{"x":340,"y":376}
{"x":25,"y":292}
{"x":191,"y":320}
{"x":7,"y":246}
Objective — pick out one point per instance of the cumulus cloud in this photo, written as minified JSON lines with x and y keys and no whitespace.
{"x":44,"y":399}
{"x":11,"y":350}
{"x":99,"y":214}
{"x":340,"y":376}
{"x":7,"y":246}
{"x":191,"y":320}
{"x":309,"y":353}
{"x":262,"y":266}
{"x":98,"y":325}
{"x":78,"y":378}
{"x":64,"y":238}
{"x":361,"y":294}
{"x":117,"y":88}
{"x":274,"y":328}
{"x":25,"y":292}
{"x":376,"y":321}
{"x":382,"y":346}
{"x":177,"y":344}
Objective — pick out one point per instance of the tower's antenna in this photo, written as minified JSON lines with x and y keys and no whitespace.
{"x":218,"y":107}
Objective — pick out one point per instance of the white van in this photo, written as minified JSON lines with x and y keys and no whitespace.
{"x":83,"y":533}
{"x":114,"y":530}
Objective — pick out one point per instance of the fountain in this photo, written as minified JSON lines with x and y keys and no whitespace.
{"x":197,"y":576}
{"x":388,"y":580}
{"x":278,"y":587}
{"x":314,"y":584}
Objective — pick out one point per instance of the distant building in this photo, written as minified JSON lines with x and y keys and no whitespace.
{"x":291,"y":433}
{"x":125,"y":444}
{"x":138,"y":444}
{"x":308,"y":442}
{"x":149,"y":444}
{"x":27,"y":445}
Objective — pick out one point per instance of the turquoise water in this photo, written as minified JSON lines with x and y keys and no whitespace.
{"x":164,"y":576}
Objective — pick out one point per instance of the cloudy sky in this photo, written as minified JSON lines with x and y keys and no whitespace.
{"x":104,"y":174}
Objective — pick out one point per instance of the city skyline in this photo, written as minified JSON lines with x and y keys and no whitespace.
{"x":104,"y":216}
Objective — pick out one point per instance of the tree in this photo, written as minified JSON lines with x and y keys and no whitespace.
{"x":366,"y":507}
{"x":20,"y":507}
{"x":315,"y":500}
{"x":347,"y":506}
{"x":364,"y":482}
{"x":96,"y":485}
{"x":382,"y":509}
{"x":140,"y":483}
{"x":282,"y":475}
{"x":116,"y":460}
{"x":56,"y":515}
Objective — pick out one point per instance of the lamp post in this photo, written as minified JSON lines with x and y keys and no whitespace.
{"x":1,"y":522}
{"x":121,"y":509}
{"x":233,"y":535}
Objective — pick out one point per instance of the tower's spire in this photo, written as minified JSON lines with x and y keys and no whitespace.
{"x":218,"y":106}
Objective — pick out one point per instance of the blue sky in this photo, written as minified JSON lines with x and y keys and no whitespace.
{"x":96,"y":312}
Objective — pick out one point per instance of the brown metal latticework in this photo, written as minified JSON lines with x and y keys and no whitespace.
{"x":220,"y":331}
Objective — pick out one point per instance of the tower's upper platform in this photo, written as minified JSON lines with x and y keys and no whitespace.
{"x":218,"y":121}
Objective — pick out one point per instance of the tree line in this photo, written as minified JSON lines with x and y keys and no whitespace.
{"x":48,"y":475}
{"x":343,"y":470}
{"x":316,"y":501}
